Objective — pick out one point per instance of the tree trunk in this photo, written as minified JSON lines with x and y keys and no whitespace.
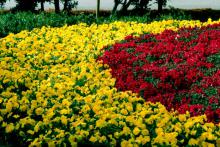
{"x":97,"y":9}
{"x":65,"y":5}
{"x":160,"y":5}
{"x":57,"y":6}
{"x":42,"y":5}
{"x":26,"y":5}
{"x":125,"y":6}
{"x":116,"y":3}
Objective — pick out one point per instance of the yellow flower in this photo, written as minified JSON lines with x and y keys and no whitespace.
{"x":9,"y":107}
{"x":65,"y":102}
{"x":126,"y":130}
{"x":113,"y":142}
{"x":124,"y":112}
{"x":142,"y":140}
{"x":1,"y":119}
{"x":17,"y":126}
{"x":159,"y":131}
{"x":100,"y":123}
{"x":51,"y":143}
{"x":72,"y":141}
{"x":129,"y":107}
{"x":33,"y":104}
{"x":15,"y":116}
{"x":93,"y":139}
{"x":193,"y":141}
{"x":64,"y":111}
{"x":171,"y":138}
{"x":64,"y":120}
{"x":102,"y":139}
{"x":218,"y":142}
{"x":182,"y":117}
{"x":124,"y":143}
{"x":60,"y":135}
{"x":39,"y":111}
{"x":30,"y":132}
{"x":50,"y":113}
{"x":193,"y":132}
{"x":91,"y":127}
{"x":136,"y":131}
{"x":145,"y":132}
{"x":207,"y":144}
{"x":208,"y":136}
{"x":122,"y":123}
{"x":35,"y":143}
{"x":21,"y":133}
{"x":9,"y":128}
{"x":116,"y":135}
{"x":146,"y":139}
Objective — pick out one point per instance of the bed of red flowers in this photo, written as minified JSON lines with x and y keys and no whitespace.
{"x":180,"y":69}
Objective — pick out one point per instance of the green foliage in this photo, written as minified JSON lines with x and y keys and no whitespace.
{"x":174,"y":14}
{"x":2,"y":3}
{"x":16,"y":22}
{"x":25,"y":5}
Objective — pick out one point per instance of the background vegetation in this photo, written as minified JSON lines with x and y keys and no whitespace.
{"x":140,"y":5}
{"x":14,"y":22}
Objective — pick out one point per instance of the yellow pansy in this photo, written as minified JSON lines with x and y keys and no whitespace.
{"x":136,"y":131}
{"x":93,"y":139}
{"x":39,"y":111}
{"x":193,"y":142}
{"x":9,"y":128}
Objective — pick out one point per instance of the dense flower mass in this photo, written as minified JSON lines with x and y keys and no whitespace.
{"x":54,"y":92}
{"x":179,"y":69}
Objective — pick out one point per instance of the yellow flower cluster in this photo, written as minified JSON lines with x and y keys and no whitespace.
{"x":54,"y":92}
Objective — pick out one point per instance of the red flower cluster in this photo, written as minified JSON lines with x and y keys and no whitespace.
{"x":179,"y":69}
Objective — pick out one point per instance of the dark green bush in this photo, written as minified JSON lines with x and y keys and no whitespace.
{"x":16,"y":22}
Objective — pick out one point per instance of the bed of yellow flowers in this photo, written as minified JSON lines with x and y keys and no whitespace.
{"x":53,"y":92}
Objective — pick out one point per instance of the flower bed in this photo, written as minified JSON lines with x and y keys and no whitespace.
{"x":54,"y":92}
{"x":179,"y":69}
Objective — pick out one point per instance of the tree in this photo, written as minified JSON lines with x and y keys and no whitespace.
{"x":139,"y":5}
{"x":160,"y":4}
{"x":65,"y":4}
{"x":97,"y":9}
{"x":116,"y":4}
{"x":142,"y":5}
{"x":2,"y":2}
{"x":25,"y":5}
{"x":42,"y":5}
{"x":57,"y":6}
{"x":69,"y":4}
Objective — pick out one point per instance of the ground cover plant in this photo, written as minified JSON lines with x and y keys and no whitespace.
{"x":180,"y":69}
{"x":53,"y":91}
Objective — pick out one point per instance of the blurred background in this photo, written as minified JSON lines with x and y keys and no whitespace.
{"x":108,"y":4}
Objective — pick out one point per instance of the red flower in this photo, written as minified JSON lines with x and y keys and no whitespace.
{"x":197,"y":109}
{"x":174,"y":68}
